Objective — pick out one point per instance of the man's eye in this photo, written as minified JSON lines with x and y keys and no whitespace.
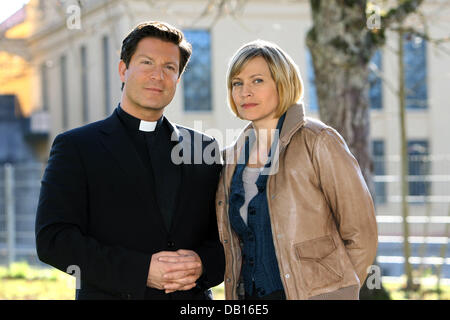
{"x":146,"y":62}
{"x":172,"y":68}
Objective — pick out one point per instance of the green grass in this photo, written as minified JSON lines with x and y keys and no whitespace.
{"x":22,"y":282}
{"x":21,"y":270}
{"x":219,"y":292}
{"x":426,"y":291}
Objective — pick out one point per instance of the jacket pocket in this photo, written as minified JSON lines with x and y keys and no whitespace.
{"x":319,"y":262}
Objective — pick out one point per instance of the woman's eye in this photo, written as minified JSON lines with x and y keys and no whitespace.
{"x":236,"y":84}
{"x":258,"y":80}
{"x":146,"y":62}
{"x":171,"y":68}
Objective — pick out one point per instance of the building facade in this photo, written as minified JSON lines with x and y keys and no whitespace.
{"x":74,"y":54}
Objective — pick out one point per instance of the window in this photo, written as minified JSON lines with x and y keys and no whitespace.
{"x":312,"y":104}
{"x":415,"y":59}
{"x":197,"y":77}
{"x":379,"y":170}
{"x":64,"y":100}
{"x":375,"y":84}
{"x":418,"y":167}
{"x":84,"y":84}
{"x":106,"y":75}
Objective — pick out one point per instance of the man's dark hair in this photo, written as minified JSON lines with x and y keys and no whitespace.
{"x":159,"y":30}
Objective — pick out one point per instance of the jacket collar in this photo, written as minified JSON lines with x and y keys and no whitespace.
{"x":295,"y":119}
{"x":112,"y":124}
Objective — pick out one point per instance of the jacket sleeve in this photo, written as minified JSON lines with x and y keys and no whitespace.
{"x":349,"y":199}
{"x":62,"y":237}
{"x":211,"y":251}
{"x":213,"y":258}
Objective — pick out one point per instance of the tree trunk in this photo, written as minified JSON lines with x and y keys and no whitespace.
{"x":341,"y":47}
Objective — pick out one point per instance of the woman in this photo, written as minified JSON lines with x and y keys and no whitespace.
{"x":295,"y":216}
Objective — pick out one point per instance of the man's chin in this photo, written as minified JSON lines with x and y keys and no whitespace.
{"x":153,"y":107}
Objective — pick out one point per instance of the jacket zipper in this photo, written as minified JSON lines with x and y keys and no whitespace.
{"x":230,"y":236}
{"x":268,"y":207}
{"x":228,"y":220}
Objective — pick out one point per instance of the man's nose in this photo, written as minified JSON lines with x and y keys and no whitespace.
{"x":157,"y":73}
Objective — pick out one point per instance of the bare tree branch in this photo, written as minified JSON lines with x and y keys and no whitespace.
{"x":398,"y":14}
{"x":380,"y":74}
{"x":423,"y":35}
{"x":209,"y":7}
{"x":221,"y":8}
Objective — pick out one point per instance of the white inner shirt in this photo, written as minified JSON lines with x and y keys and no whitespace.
{"x":249,"y":178}
{"x":147,"y":126}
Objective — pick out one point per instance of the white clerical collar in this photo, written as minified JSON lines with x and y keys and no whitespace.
{"x":147,"y":126}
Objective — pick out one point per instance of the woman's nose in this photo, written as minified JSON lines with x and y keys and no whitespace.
{"x":246,"y":91}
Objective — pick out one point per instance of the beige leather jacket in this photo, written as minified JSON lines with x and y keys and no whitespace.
{"x":322,"y":215}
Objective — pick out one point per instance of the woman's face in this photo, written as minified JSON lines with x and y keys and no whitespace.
{"x":254,"y":92}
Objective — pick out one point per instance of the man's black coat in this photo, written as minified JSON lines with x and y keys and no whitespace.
{"x":98,"y":211}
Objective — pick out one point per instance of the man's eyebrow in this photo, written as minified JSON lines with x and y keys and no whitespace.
{"x":150,"y":58}
{"x":145,"y":56}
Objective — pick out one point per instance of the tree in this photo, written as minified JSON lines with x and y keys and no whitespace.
{"x":341,"y":47}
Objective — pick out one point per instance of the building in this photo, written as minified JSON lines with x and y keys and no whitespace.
{"x":16,"y":67}
{"x":74,"y":53}
{"x":20,"y":172}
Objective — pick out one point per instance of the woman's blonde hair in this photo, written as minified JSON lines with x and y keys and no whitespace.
{"x":282,"y":68}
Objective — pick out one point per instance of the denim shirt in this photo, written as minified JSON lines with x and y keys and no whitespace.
{"x":260,"y":265}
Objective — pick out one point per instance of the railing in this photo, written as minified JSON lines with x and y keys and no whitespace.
{"x":428,"y":217}
{"x":19,"y":193}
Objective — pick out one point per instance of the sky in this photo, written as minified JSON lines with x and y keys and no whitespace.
{"x":8,"y":7}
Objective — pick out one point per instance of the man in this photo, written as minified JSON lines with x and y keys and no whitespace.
{"x":115,"y":200}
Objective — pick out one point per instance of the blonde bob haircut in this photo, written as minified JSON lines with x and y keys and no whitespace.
{"x":282,"y":68}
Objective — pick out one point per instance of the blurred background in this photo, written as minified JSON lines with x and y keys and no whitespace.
{"x":59,"y":70}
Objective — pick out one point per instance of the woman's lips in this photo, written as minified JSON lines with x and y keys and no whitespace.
{"x":249,"y":105}
{"x":154,"y":89}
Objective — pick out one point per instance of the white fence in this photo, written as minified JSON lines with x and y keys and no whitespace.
{"x":429,"y":213}
{"x":19,"y":193}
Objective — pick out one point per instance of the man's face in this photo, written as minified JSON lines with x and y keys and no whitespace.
{"x":152,"y":75}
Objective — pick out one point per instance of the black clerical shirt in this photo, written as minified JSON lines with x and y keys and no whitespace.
{"x":137,"y":136}
{"x":154,"y":149}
